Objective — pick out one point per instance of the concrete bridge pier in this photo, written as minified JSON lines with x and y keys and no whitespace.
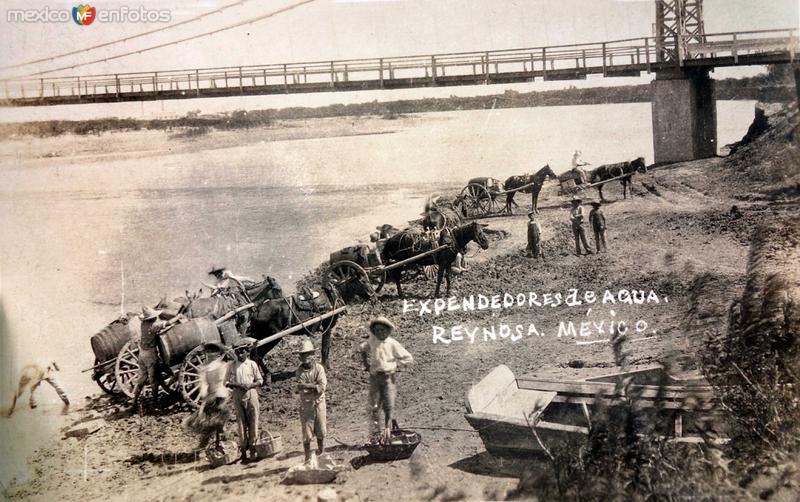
{"x":684,"y":115}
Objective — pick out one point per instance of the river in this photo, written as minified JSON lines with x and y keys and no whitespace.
{"x":85,"y":240}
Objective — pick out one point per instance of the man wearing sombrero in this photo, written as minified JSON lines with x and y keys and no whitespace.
{"x":576,"y":219}
{"x":148,"y":357}
{"x":381,"y":354}
{"x":224,"y":278}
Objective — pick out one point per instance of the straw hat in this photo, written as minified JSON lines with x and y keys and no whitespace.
{"x":575,"y":199}
{"x":382,"y":320}
{"x":308,"y":346}
{"x":244,"y":343}
{"x":216,"y":270}
{"x":150,"y":313}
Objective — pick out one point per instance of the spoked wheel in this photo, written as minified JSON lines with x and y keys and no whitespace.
{"x":430,"y":271}
{"x":348,"y":275}
{"x":189,"y":375}
{"x":477,"y":201}
{"x":126,"y":371}
{"x":106,"y":379}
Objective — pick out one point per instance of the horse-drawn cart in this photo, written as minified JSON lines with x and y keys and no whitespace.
{"x":479,"y":198}
{"x":360,"y":268}
{"x":183,"y":346}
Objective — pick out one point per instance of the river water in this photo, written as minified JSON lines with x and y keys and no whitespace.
{"x":83,"y":241}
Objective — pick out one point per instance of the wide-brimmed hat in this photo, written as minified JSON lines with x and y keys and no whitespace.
{"x":216,"y":270}
{"x":244,"y":343}
{"x":531,"y":213}
{"x":306,"y":347}
{"x":150,"y":313}
{"x":381,"y":320}
{"x":595,"y":203}
{"x":576,"y":199}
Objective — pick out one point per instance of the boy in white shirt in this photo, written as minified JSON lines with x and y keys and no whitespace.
{"x":381,"y":354}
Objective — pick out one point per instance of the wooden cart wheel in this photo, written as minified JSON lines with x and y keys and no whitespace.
{"x":347,"y":274}
{"x":126,"y":371}
{"x":106,"y":378}
{"x":430,"y":271}
{"x":189,"y":375}
{"x":477,"y":201}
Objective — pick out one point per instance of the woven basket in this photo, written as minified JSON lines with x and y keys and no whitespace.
{"x":268,"y":445}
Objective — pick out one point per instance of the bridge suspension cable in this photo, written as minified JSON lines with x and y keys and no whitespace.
{"x":175,"y":42}
{"x":125,"y":39}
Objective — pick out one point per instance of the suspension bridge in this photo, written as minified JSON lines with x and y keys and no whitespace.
{"x":680,"y":54}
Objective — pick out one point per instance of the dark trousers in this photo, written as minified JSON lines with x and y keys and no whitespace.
{"x":580,"y":237}
{"x":600,"y":239}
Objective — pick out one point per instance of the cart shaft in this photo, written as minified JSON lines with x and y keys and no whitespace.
{"x":302,"y":325}
{"x":414,"y":258}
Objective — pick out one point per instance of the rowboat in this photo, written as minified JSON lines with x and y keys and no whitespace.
{"x":522,"y":416}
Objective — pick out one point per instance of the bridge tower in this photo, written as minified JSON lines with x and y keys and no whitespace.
{"x":683,"y":98}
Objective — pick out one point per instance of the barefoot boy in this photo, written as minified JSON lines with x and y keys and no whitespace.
{"x":381,"y":354}
{"x":311,"y":386}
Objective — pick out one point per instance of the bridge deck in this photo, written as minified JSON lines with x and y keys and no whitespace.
{"x":616,"y":58}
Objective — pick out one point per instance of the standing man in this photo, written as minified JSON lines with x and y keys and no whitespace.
{"x":31,"y":377}
{"x":381,"y":354}
{"x":576,"y":219}
{"x":148,"y":356}
{"x":245,"y":379}
{"x":598,"y":222}
{"x":534,"y":248}
{"x":311,"y":384}
{"x":577,"y":163}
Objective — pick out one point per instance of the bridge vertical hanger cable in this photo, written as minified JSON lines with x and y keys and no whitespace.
{"x":175,"y":42}
{"x":126,"y":39}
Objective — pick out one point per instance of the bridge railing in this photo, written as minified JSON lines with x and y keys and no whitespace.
{"x":618,"y":57}
{"x":736,"y":44}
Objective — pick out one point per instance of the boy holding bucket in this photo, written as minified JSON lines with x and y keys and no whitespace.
{"x":381,"y":354}
{"x":311,"y":386}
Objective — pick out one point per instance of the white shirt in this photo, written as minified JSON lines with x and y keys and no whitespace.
{"x":577,"y":161}
{"x":383,"y":356}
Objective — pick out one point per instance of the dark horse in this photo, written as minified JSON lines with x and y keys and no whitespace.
{"x":275,"y":313}
{"x":440,"y":214}
{"x":408,"y":244}
{"x":537,"y":181}
{"x":226,"y":299}
{"x":609,"y":171}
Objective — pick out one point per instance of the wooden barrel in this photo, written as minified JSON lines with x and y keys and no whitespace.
{"x":182,"y":338}
{"x":107,"y":342}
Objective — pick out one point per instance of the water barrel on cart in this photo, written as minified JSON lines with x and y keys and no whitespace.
{"x":107,"y":342}
{"x":182,"y":338}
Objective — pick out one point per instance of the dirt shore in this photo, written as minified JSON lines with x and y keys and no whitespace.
{"x":675,"y":229}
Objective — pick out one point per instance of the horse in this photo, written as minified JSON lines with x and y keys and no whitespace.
{"x":536,"y":181}
{"x":609,"y":171}
{"x":275,"y":312}
{"x":439,"y":214}
{"x":224,"y":300}
{"x":408,"y":244}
